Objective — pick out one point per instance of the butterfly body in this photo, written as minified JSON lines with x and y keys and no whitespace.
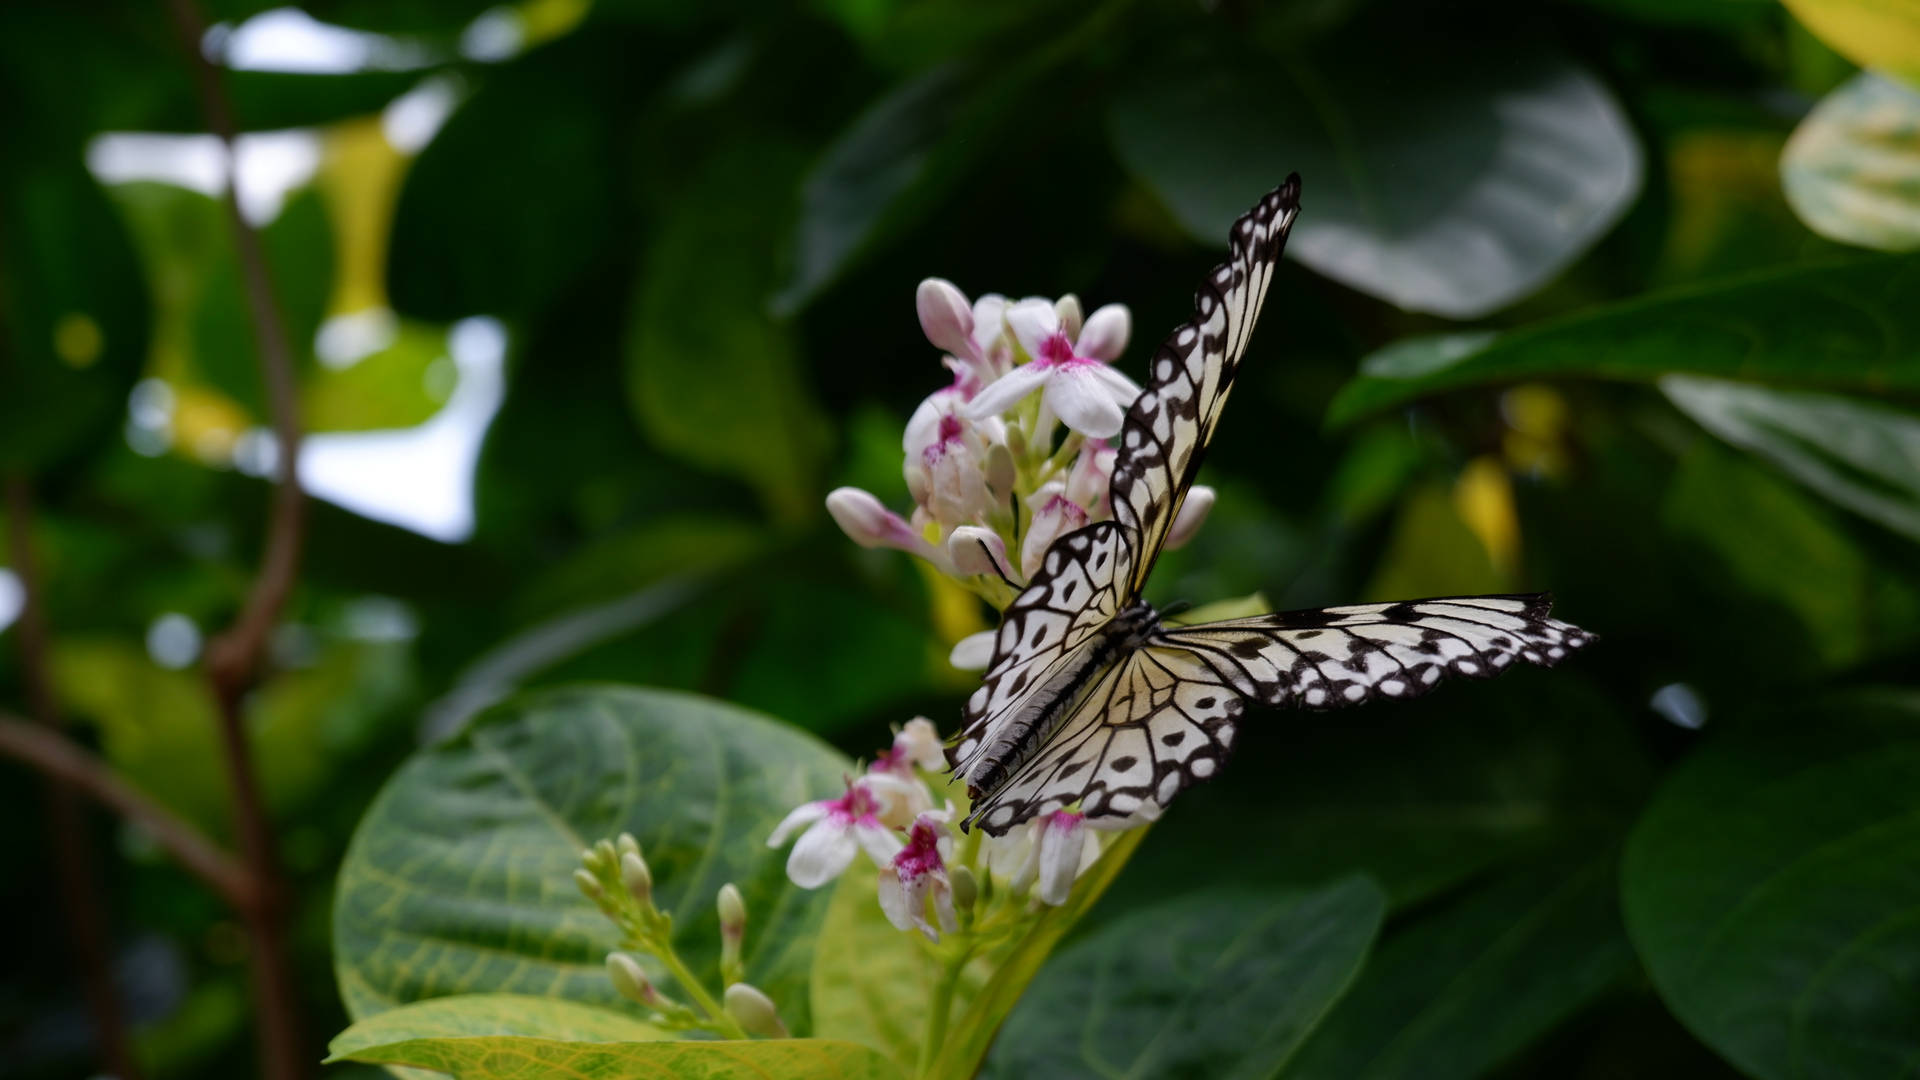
{"x":1092,"y":702}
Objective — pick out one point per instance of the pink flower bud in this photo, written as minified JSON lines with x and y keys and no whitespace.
{"x":946,"y":317}
{"x":1192,"y":513}
{"x":1106,"y":332}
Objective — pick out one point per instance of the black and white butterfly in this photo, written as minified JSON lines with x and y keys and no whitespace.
{"x":1091,"y":700}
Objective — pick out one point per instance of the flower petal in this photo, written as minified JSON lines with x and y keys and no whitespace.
{"x":1123,"y":389}
{"x":820,"y":854}
{"x":1082,"y":400}
{"x":1006,"y":391}
{"x":973,"y":652}
{"x":946,"y":317}
{"x":1063,"y":839}
{"x":920,"y":740}
{"x":1068,"y":309}
{"x":1032,"y":323}
{"x":878,"y":841}
{"x":801,"y":815}
{"x":943,"y":906}
{"x":893,"y":899}
{"x":1193,"y":511}
{"x":1104,"y":337}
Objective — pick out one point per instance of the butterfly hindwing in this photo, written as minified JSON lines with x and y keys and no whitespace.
{"x":1339,"y":656}
{"x":1167,"y":430}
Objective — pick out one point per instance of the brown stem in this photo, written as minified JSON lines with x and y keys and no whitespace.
{"x":234,"y":658}
{"x":66,"y":822}
{"x":77,"y":770}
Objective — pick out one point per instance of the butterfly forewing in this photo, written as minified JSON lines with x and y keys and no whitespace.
{"x":1169,"y":426}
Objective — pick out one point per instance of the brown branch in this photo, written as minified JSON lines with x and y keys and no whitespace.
{"x":80,"y":770}
{"x":235,"y":658}
{"x":86,"y":915}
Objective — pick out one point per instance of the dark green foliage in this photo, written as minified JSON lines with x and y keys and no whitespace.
{"x":1548,"y":321}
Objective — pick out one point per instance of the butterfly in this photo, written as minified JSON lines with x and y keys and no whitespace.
{"x":1092,"y":700}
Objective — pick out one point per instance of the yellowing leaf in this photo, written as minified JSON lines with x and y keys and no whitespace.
{"x":1883,"y":34}
{"x":518,"y":1057}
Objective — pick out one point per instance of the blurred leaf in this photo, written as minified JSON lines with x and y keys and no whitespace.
{"x":1852,"y":168}
{"x":1433,"y":552}
{"x":1846,"y":325}
{"x":515,"y":1057}
{"x":74,"y":315}
{"x":1729,"y":215}
{"x":1691,"y":12}
{"x":1778,"y":547}
{"x":1418,"y":795}
{"x":873,"y":984}
{"x":1439,"y":182}
{"x":515,"y":197}
{"x":1460,"y":990}
{"x":390,"y":388}
{"x":1863,"y":456}
{"x":1214,"y":985}
{"x":459,"y":879}
{"x":1771,"y":889}
{"x":712,"y":376}
{"x":1882,"y":34}
{"x":479,"y":1021}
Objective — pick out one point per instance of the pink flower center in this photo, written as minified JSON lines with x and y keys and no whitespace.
{"x":857,"y":807}
{"x":1064,"y":821}
{"x":1066,"y":508}
{"x":948,"y":439}
{"x":890,"y":760}
{"x":922,"y":853}
{"x":1057,"y":350}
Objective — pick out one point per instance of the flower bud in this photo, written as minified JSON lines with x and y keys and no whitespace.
{"x":1105,"y":334}
{"x":973,"y":652}
{"x":605,"y":855}
{"x":626,"y":843}
{"x":629,"y":981}
{"x":754,"y":1010}
{"x":590,"y":859}
{"x":864,"y":519}
{"x":733,"y":911}
{"x":946,"y":317}
{"x":1068,"y":309}
{"x":589,"y":885}
{"x":966,"y":888}
{"x":975,"y":550}
{"x":1002,"y":474}
{"x":639,"y":879}
{"x":1193,"y":512}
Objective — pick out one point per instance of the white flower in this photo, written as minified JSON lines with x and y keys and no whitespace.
{"x":867,"y":522}
{"x":1193,"y":511}
{"x":1078,"y":386}
{"x":1090,"y":480}
{"x":839,"y":828}
{"x":947,"y":460}
{"x":1054,"y":516}
{"x":1048,"y":855}
{"x":974,"y":337}
{"x":917,"y":875}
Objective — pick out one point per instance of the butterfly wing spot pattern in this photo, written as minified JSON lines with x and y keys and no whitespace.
{"x":1090,"y":702}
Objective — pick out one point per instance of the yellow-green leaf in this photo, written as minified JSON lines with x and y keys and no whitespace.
{"x":490,"y":1017}
{"x":518,"y":1057}
{"x":1882,"y":34}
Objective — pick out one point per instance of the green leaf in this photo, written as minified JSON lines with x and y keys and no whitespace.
{"x":512,"y":1057}
{"x":74,"y":309}
{"x":1773,"y":891}
{"x":1222,"y":985}
{"x":712,"y":376}
{"x":873,"y":984}
{"x":1848,"y":326}
{"x":1460,"y":990}
{"x":459,"y":878}
{"x":473,"y":1017}
{"x":1882,"y":34}
{"x":1863,"y":456}
{"x":1852,"y":168}
{"x":1457,"y":198}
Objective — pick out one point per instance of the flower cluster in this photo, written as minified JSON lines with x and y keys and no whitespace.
{"x":1017,"y":451}
{"x":930,"y":879}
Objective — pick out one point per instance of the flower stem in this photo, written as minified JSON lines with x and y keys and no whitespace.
{"x":722,"y":1022}
{"x":937,"y":1014}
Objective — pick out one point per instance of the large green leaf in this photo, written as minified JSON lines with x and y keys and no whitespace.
{"x":1848,"y":325}
{"x":517,"y":1057}
{"x":1216,"y":985}
{"x":459,"y":877}
{"x":1773,"y":891}
{"x":1852,"y":168}
{"x":1863,"y":456}
{"x":1461,"y":989}
{"x":873,"y":984}
{"x":491,"y":1016}
{"x":712,"y":376}
{"x":1442,"y":182}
